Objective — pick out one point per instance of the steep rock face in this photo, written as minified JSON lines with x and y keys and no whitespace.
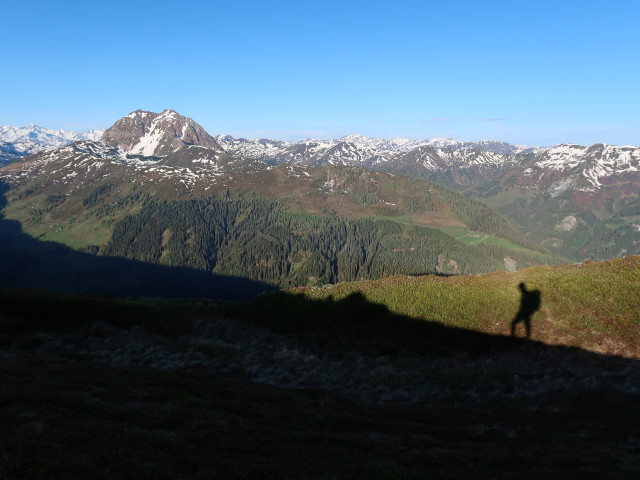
{"x":150,"y":134}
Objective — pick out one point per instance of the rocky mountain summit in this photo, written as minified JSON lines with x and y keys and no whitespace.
{"x":149,"y":134}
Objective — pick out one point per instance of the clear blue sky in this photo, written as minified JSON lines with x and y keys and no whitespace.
{"x":530,"y":72}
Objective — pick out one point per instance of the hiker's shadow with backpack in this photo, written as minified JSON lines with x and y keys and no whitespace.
{"x":529,"y":304}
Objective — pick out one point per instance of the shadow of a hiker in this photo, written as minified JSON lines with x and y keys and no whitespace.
{"x":529,"y":304}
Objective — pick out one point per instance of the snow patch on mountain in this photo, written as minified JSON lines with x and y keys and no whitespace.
{"x":148,"y":143}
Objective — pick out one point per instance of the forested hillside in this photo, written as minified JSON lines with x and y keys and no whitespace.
{"x":259,"y":239}
{"x":580,"y":226}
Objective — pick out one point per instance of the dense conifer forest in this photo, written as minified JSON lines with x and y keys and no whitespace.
{"x":259,"y":239}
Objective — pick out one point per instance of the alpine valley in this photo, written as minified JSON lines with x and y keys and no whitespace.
{"x":577,"y":202}
{"x":159,"y":189}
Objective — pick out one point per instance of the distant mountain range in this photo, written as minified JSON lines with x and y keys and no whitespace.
{"x":22,"y":141}
{"x":577,"y":201}
{"x":457,"y":164}
{"x":16,"y":142}
{"x":266,"y":149}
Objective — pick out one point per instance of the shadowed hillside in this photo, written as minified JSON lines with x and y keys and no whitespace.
{"x":371,"y":393}
{"x":28,"y":263}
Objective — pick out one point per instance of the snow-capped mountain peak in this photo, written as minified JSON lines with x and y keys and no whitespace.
{"x":152,"y":134}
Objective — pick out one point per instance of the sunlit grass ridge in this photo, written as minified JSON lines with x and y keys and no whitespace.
{"x":593,"y":306}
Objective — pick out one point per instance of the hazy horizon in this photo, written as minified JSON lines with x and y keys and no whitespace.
{"x":266,"y":135}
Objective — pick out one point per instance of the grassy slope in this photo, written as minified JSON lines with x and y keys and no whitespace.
{"x":593,"y":306}
{"x":471,"y":237}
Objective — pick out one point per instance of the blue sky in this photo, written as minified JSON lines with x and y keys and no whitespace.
{"x":531,"y":72}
